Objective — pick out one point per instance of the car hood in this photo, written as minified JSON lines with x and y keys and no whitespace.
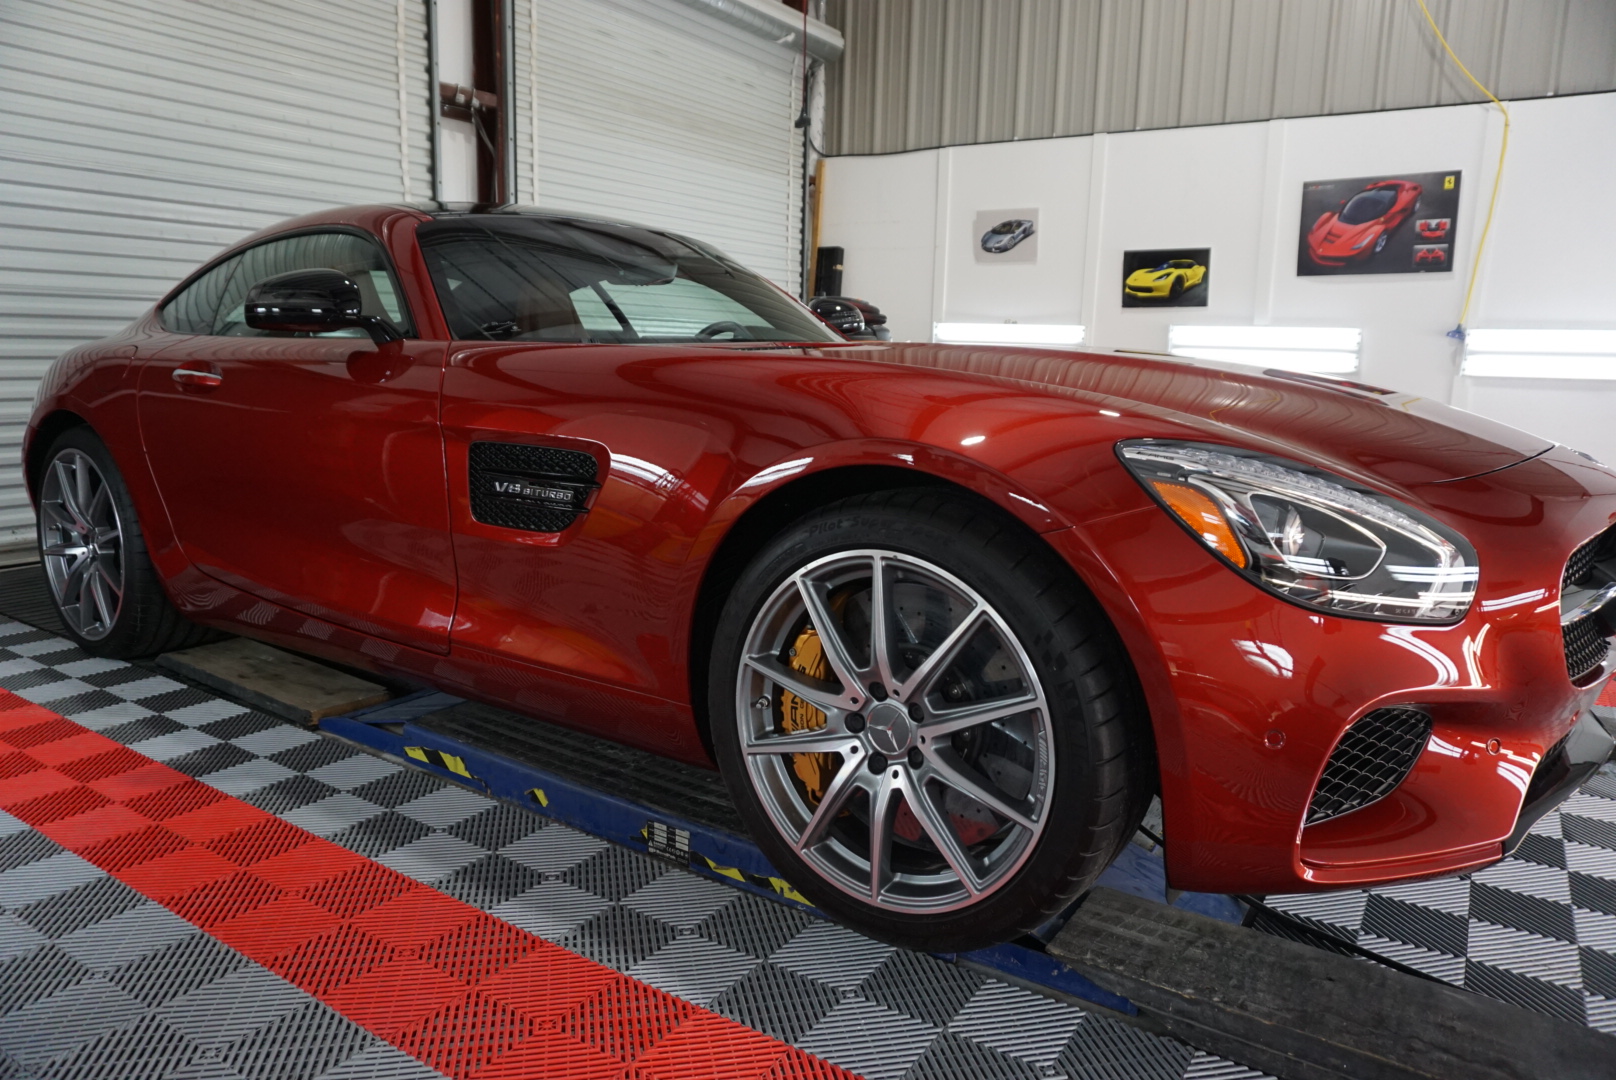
{"x":1397,"y":439}
{"x":1335,"y":232}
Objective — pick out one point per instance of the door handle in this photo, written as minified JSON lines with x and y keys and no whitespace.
{"x":196,"y":378}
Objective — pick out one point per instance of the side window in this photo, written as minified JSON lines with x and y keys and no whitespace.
{"x":194,"y":309}
{"x":355,"y":256}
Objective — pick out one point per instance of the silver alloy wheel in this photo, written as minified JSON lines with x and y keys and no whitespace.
{"x":928,"y":744}
{"x":81,"y":542}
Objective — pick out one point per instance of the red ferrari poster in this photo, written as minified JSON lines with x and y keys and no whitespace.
{"x":1400,"y":224}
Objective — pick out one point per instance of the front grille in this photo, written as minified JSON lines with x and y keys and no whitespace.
{"x":1585,"y":646}
{"x":1369,"y":762}
{"x":1585,"y":643}
{"x":1581,"y":563}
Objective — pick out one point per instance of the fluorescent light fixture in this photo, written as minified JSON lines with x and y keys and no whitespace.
{"x":1540,"y":354}
{"x":960,"y":333}
{"x":1325,"y":350}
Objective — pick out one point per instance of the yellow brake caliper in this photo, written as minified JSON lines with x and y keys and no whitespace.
{"x":814,"y":770}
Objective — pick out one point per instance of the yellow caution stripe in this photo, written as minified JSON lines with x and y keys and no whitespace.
{"x":673,"y":844}
{"x":439,"y":758}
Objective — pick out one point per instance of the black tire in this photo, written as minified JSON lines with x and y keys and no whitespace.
{"x":1103,"y":753}
{"x":146,"y":623}
{"x":1177,"y":289}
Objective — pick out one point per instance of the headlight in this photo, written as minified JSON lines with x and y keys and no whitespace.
{"x":1310,"y":536}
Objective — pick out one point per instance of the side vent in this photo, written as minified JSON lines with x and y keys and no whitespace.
{"x":534,"y":488}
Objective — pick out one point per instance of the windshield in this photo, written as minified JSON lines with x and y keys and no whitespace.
{"x":1367,"y":206}
{"x":515,"y":278}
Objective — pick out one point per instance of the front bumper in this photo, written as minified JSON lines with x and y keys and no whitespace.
{"x":1249,"y":695}
{"x":1151,"y":291}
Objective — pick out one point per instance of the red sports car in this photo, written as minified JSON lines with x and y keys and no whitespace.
{"x":946,"y":618}
{"x":1361,"y":225}
{"x":1433,"y":228}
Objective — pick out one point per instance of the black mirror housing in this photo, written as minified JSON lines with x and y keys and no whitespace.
{"x":315,"y":301}
{"x":842,"y":316}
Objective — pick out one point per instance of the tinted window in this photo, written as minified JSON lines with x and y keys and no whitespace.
{"x":360,"y":259}
{"x":196,"y":306}
{"x":1367,"y":206}
{"x":547,"y":279}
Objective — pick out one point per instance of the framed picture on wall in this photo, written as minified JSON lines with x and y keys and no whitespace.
{"x":1005,"y":236}
{"x":1402,"y":224}
{"x":1166,"y":277}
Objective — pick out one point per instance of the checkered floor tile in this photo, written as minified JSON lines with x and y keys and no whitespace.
{"x":97,"y":981}
{"x":1538,"y":929}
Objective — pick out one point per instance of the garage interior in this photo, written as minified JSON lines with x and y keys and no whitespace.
{"x":234,"y":862}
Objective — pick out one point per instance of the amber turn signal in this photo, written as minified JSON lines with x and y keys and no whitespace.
{"x":1201,"y":514}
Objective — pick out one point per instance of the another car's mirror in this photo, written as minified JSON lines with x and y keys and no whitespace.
{"x":844,"y":317}
{"x":316,"y":301}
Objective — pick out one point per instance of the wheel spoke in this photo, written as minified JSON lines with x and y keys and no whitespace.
{"x":98,"y":502}
{"x":57,"y":516}
{"x":820,"y":695}
{"x":880,"y":623}
{"x":67,"y":482}
{"x":73,"y":581}
{"x":82,"y":493}
{"x":944,"y":655}
{"x":943,"y":836}
{"x":881,"y":810}
{"x":69,"y":551}
{"x":952,"y":720}
{"x":830,"y":634}
{"x":960,"y":781}
{"x":105,"y":575}
{"x":87,"y":604}
{"x":831,"y":802}
{"x":817,"y":741}
{"x":103,"y":603}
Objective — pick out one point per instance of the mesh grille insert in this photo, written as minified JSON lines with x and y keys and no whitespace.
{"x":1371,"y":759}
{"x":1582,"y":560}
{"x":535,"y":488}
{"x":1585,"y":646}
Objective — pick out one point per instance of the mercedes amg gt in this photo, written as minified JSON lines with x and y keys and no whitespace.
{"x":1360,"y":227}
{"x":945,"y":618}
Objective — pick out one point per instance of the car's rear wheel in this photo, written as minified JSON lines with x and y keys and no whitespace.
{"x":926,"y":720}
{"x":94,"y":556}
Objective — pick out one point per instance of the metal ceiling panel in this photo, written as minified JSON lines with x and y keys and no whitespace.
{"x":951,"y":72}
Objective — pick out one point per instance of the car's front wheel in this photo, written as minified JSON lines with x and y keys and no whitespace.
{"x":926,"y":720}
{"x":103,"y":584}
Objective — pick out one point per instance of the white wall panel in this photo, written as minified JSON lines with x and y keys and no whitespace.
{"x":1237,"y":189}
{"x":139,"y":137}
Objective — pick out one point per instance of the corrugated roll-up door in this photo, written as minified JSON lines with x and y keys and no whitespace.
{"x":138,"y":137}
{"x":657,"y":112}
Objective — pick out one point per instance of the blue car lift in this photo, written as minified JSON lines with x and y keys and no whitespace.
{"x":394,"y":729}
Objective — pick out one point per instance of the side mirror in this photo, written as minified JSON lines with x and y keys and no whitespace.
{"x":313,"y":302}
{"x":842,"y":316}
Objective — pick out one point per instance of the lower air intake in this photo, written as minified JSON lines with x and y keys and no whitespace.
{"x":1372,"y":758}
{"x":1585,"y":646}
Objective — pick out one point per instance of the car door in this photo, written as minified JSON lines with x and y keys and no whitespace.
{"x":308,"y":470}
{"x":577,"y":470}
